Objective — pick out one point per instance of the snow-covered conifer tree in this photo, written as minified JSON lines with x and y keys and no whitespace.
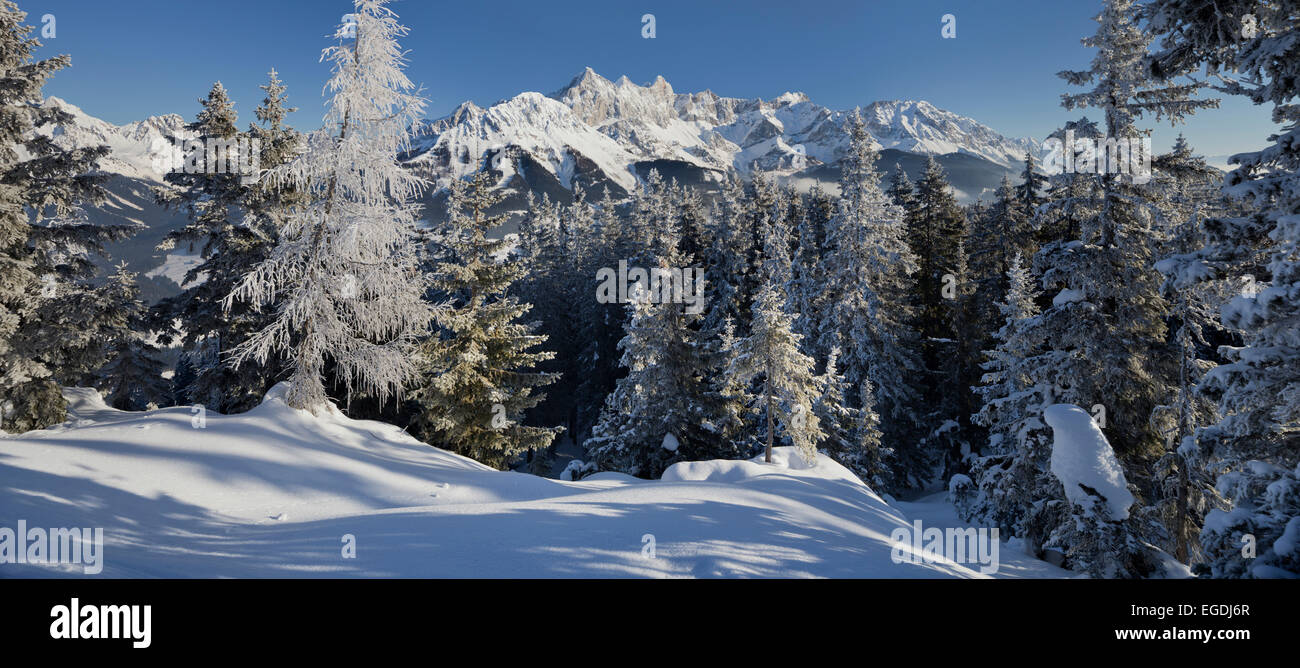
{"x":601,"y":328}
{"x":344,"y":275}
{"x":235,"y":226}
{"x":868,"y":270}
{"x":1011,"y":471}
{"x":851,"y":435}
{"x":1029,"y":193}
{"x":1183,"y":476}
{"x":808,"y":271}
{"x":936,"y":234}
{"x":726,"y":261}
{"x":132,"y":378}
{"x":901,"y":190}
{"x":1107,"y":321}
{"x":789,"y":389}
{"x":1258,"y":436}
{"x":479,"y":381}
{"x":46,"y":242}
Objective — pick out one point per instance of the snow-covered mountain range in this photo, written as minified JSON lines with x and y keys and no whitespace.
{"x":614,"y":126}
{"x":138,"y":147}
{"x":133,"y":168}
{"x":595,"y":130}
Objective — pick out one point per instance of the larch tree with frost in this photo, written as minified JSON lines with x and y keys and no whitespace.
{"x":1258,"y":435}
{"x":868,"y":267}
{"x":344,"y":275}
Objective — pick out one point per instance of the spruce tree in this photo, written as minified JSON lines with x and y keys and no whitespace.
{"x":727,"y":260}
{"x":1072,"y":196}
{"x":851,"y":435}
{"x":132,"y":378}
{"x":1108,"y":326}
{"x":479,"y":381}
{"x":1183,"y":475}
{"x":235,"y":224}
{"x":901,"y":190}
{"x":1011,"y":473}
{"x":1257,"y":439}
{"x":789,"y":389}
{"x":937,"y":234}
{"x":46,"y":242}
{"x":868,"y":270}
{"x":653,"y":417}
{"x":1029,"y":193}
{"x":665,"y":409}
{"x":1104,"y":334}
{"x":548,"y":262}
{"x":808,"y":272}
{"x":601,"y":328}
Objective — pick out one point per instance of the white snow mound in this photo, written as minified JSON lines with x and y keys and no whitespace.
{"x":784,"y":460}
{"x":1081,"y":456}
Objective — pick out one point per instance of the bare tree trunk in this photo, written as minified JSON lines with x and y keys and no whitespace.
{"x":771,"y":427}
{"x":1181,"y":528}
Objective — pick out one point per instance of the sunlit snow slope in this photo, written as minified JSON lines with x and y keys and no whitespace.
{"x":272,"y":492}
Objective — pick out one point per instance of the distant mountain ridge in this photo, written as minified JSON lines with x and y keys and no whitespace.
{"x":602,"y":132}
{"x":592,"y":132}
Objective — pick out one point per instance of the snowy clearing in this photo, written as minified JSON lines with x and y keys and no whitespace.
{"x":272,"y":492}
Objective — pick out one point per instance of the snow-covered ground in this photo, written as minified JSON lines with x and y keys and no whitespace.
{"x":273,"y":492}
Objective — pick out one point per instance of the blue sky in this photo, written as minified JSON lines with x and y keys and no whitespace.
{"x":136,"y":58}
